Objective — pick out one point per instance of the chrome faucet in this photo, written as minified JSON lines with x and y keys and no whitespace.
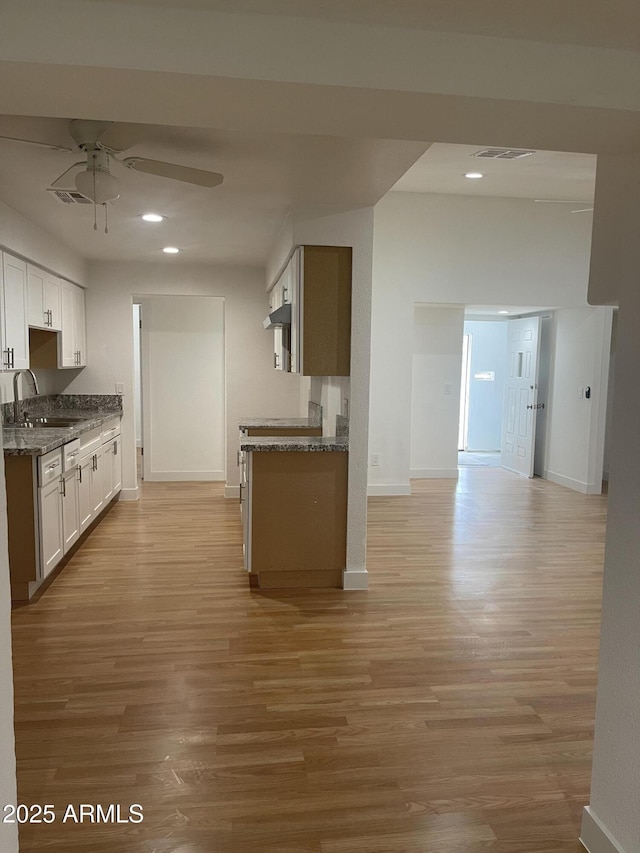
{"x":16,"y":407}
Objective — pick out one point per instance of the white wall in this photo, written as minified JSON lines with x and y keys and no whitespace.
{"x":457,"y":250}
{"x":488,"y":354}
{"x":435,"y":397}
{"x":253,"y":387}
{"x":137,"y":376}
{"x":183,"y":369}
{"x":350,"y":228}
{"x":575,"y":425}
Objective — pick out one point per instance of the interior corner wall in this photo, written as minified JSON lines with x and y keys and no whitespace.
{"x":253,"y":388}
{"x":576,"y":424}
{"x":465,"y":250}
{"x":435,"y":396}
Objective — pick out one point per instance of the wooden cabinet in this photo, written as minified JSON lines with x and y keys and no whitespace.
{"x":321,"y":312}
{"x":317,"y":284}
{"x":72,"y":345}
{"x":14,"y":335}
{"x":43,"y":299}
{"x":294,"y":514}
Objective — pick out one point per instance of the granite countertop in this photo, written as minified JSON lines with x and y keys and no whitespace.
{"x":37,"y":442}
{"x":294,"y":443}
{"x":278,"y":423}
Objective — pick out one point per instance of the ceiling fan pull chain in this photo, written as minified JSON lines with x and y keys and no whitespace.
{"x":95,"y":214}
{"x":106,"y":218}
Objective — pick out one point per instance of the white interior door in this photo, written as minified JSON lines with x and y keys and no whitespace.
{"x":521,"y":395}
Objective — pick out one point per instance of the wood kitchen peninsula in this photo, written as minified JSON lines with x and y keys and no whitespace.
{"x":293,"y":497}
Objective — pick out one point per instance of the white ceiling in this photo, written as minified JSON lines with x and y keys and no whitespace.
{"x":556,"y":21}
{"x":543,"y":175}
{"x":234,"y":223}
{"x":265,"y":175}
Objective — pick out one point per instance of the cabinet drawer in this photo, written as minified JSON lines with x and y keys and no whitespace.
{"x":110,"y":429}
{"x":49,"y":467}
{"x":90,"y":441}
{"x":70,"y":454}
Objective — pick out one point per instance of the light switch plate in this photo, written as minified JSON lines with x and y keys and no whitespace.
{"x":120,"y":388}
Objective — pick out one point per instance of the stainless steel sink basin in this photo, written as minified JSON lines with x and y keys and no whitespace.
{"x":43,"y":424}
{"x":59,"y":420}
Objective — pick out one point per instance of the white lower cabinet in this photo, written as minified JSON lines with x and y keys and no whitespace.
{"x":51,"y":528}
{"x":52,"y":499}
{"x":71,"y":507}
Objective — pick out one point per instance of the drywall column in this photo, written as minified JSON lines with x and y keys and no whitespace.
{"x":612,"y":820}
{"x":8,"y":832}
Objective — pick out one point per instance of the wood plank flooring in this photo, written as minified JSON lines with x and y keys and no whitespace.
{"x":447,"y":710}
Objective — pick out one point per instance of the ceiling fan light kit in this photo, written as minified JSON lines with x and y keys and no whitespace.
{"x":96,"y":182}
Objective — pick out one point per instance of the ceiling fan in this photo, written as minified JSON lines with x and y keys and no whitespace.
{"x":102,"y":142}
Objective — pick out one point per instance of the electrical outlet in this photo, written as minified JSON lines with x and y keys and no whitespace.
{"x":375,"y":459}
{"x":119,"y":387}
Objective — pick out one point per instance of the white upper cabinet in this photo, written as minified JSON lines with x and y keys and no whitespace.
{"x":72,"y":344}
{"x":43,"y":299}
{"x":14,"y":332}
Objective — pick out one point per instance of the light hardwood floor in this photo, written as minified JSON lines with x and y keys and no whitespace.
{"x":447,"y":710}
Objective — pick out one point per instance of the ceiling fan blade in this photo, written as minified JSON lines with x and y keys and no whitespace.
{"x":200,"y":177}
{"x":583,"y":210}
{"x":53,"y":146}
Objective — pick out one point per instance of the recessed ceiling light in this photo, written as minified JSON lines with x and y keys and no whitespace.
{"x":503,"y":312}
{"x":171,"y":250}
{"x":473,"y":176}
{"x":152,"y":217}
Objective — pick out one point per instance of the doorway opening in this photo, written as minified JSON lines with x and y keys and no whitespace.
{"x":180,"y":392}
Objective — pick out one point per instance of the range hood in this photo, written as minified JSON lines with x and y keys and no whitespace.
{"x":280,"y":317}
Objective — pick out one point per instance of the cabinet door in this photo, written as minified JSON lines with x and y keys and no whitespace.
{"x":80,"y":334}
{"x":295,"y":343}
{"x":15,"y":343}
{"x":97,"y":482}
{"x":71,"y":508}
{"x":51,"y":299}
{"x":51,"y":533}
{"x":107,"y":471}
{"x":116,"y":466}
{"x":276,"y":302}
{"x":85,"y":506}
{"x":68,"y":352}
{"x":35,"y":297}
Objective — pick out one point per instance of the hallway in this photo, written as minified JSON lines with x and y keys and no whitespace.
{"x":448,"y":709}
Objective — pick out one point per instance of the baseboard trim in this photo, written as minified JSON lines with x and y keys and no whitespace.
{"x":434,"y":473}
{"x":129,"y":494}
{"x":185,"y":476}
{"x":352,"y":580}
{"x":576,"y":485}
{"x":232,"y":492}
{"x":595,"y":837}
{"x":380,"y":489}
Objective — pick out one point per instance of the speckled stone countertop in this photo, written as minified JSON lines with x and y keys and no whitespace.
{"x":37,"y":442}
{"x":278,"y":423}
{"x":294,"y":443}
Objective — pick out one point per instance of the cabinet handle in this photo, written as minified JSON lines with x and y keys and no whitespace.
{"x":53,"y":466}
{"x":276,"y":359}
{"x":79,"y":470}
{"x":94,"y":462}
{"x":79,"y":358}
{"x":241,"y":488}
{"x":115,"y":448}
{"x":13,"y":360}
{"x":63,"y":487}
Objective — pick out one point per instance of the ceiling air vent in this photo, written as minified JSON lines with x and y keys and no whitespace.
{"x":69,"y":196}
{"x":502,"y":153}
